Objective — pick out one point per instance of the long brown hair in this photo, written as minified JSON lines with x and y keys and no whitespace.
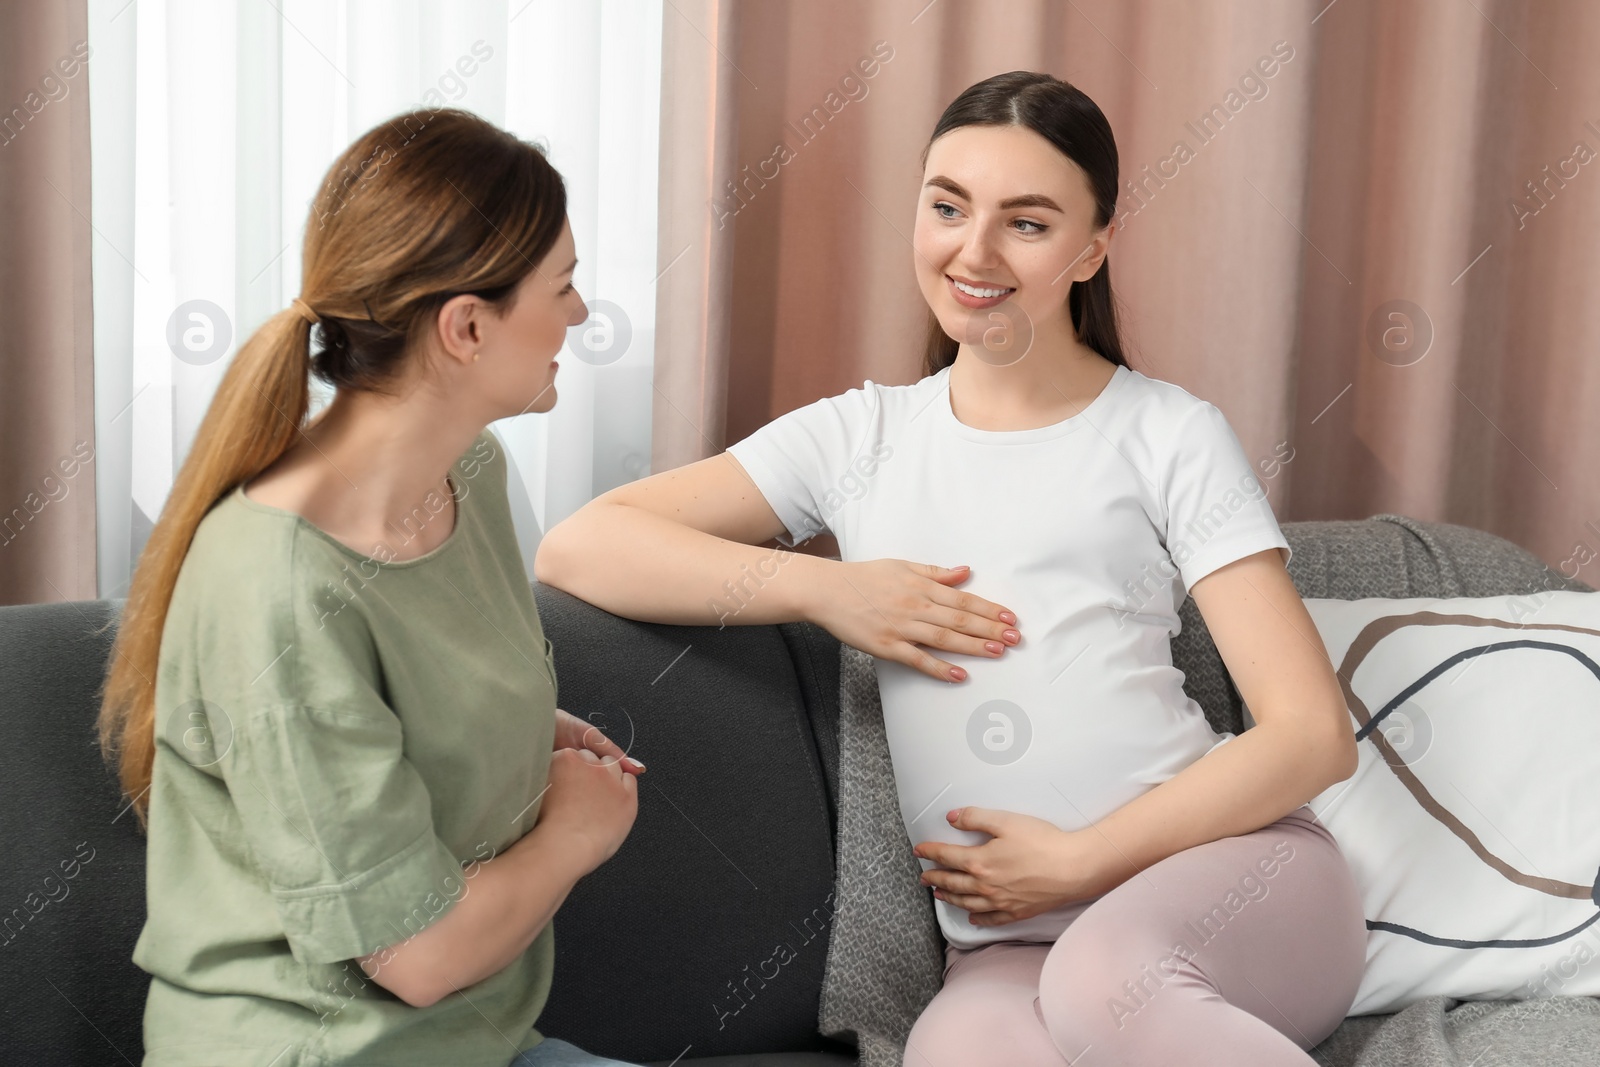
{"x":1063,"y":115}
{"x":423,"y":207}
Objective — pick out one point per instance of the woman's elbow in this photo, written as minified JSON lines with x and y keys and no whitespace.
{"x":552,"y":558}
{"x":419,"y":997}
{"x":400,"y":974}
{"x":563,"y":546}
{"x":1347,"y":755}
{"x":545,"y":564}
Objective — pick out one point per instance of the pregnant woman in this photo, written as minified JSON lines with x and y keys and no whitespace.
{"x":1115,"y":882}
{"x":330,"y":693}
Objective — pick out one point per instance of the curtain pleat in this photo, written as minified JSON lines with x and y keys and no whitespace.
{"x":47,"y":428}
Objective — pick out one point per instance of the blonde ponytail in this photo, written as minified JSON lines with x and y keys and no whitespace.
{"x":254,"y":416}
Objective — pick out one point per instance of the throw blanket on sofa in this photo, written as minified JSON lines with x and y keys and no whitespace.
{"x":886,"y":955}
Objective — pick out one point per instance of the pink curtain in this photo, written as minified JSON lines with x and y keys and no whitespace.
{"x":1381,"y":256}
{"x":47,"y":439}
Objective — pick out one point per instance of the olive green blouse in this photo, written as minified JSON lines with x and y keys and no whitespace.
{"x":343,"y":742}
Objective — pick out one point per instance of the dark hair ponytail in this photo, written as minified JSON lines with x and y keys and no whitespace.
{"x":1063,"y":115}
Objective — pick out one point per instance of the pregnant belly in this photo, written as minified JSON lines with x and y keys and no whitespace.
{"x":1012,"y":743}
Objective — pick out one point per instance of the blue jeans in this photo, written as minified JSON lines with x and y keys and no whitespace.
{"x":554,"y":1052}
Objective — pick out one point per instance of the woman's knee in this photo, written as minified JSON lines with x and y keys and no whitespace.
{"x":1203,"y":925}
{"x":940,"y":1036}
{"x":986,"y":1014}
{"x":975,"y":1031}
{"x":1103,"y":978}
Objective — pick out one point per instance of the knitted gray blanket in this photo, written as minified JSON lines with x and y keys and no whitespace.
{"x":886,"y":954}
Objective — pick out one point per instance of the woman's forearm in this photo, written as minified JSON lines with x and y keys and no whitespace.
{"x":640,"y":565}
{"x":1234,"y":789}
{"x":506,"y":902}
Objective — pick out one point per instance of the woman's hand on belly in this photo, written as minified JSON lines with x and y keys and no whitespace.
{"x":1027,"y":867}
{"x":891,"y":608}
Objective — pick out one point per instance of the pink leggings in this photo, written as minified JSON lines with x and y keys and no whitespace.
{"x":1244,"y":950}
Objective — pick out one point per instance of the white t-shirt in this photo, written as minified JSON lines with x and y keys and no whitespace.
{"x":1091,"y":530}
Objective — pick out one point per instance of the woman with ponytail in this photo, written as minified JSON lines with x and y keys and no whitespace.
{"x":1115,"y":882}
{"x":330,"y":697}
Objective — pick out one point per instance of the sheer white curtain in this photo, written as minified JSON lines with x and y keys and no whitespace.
{"x":215,"y":120}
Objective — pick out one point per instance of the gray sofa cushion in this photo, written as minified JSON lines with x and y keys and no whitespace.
{"x":69,"y":992}
{"x":718,"y":906}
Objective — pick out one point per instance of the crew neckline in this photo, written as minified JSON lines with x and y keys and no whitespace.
{"x":1068,"y":425}
{"x":437,"y":551}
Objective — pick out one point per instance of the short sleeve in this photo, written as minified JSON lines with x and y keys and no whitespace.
{"x":338,"y":820}
{"x":1217,"y":509}
{"x":806,"y":462}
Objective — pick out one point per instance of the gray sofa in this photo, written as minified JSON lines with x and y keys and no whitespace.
{"x":664,"y":954}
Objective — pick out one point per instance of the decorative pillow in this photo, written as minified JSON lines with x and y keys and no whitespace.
{"x":1472,"y":824}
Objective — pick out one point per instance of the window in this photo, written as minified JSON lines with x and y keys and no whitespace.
{"x":214,"y":123}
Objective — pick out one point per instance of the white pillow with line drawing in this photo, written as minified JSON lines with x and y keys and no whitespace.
{"x":1472,"y":822}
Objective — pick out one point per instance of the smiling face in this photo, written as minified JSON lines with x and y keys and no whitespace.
{"x":1005,"y":221}
{"x":515,"y":371}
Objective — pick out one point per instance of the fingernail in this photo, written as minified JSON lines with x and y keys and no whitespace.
{"x":994,"y":646}
{"x":958,"y":674}
{"x":1006,"y":616}
{"x":635,"y":762}
{"x":1012,"y":636}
